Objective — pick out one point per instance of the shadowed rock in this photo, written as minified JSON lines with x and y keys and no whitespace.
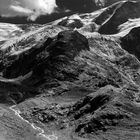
{"x":131,"y":42}
{"x":120,"y":15}
{"x":67,"y":44}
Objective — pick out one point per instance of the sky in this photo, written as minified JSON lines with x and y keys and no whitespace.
{"x":32,"y":8}
{"x":36,"y":8}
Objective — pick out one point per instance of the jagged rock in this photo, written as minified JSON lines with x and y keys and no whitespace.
{"x":90,"y":27}
{"x":61,"y":47}
{"x":72,"y":23}
{"x":69,"y":44}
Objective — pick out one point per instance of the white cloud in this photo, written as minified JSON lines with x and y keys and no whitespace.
{"x":20,"y":9}
{"x":46,"y":6}
{"x":34,"y":8}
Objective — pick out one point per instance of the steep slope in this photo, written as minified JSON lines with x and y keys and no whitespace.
{"x":107,"y":13}
{"x":15,"y":54}
{"x":71,"y":81}
{"x":91,"y":95}
{"x":131,"y":42}
{"x":87,"y":87}
{"x":127,"y":10}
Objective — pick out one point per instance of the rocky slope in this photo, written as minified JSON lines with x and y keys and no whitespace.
{"x":72,"y":81}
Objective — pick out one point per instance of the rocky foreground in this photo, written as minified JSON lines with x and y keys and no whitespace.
{"x":77,"y":78}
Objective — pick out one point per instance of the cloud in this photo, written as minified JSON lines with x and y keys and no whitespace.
{"x":100,"y":3}
{"x":33,"y":8}
{"x":46,"y":6}
{"x":20,"y":9}
{"x":42,"y":7}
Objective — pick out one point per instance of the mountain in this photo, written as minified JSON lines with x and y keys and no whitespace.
{"x":75,"y":78}
{"x":123,"y":12}
{"x":130,"y":42}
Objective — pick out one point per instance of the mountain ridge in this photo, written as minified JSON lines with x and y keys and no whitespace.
{"x":77,"y":77}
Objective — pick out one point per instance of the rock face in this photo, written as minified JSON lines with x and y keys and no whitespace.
{"x":74,"y":83}
{"x":86,"y":86}
{"x":89,"y":91}
{"x":55,"y":50}
{"x":72,"y":23}
{"x":46,"y":61}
